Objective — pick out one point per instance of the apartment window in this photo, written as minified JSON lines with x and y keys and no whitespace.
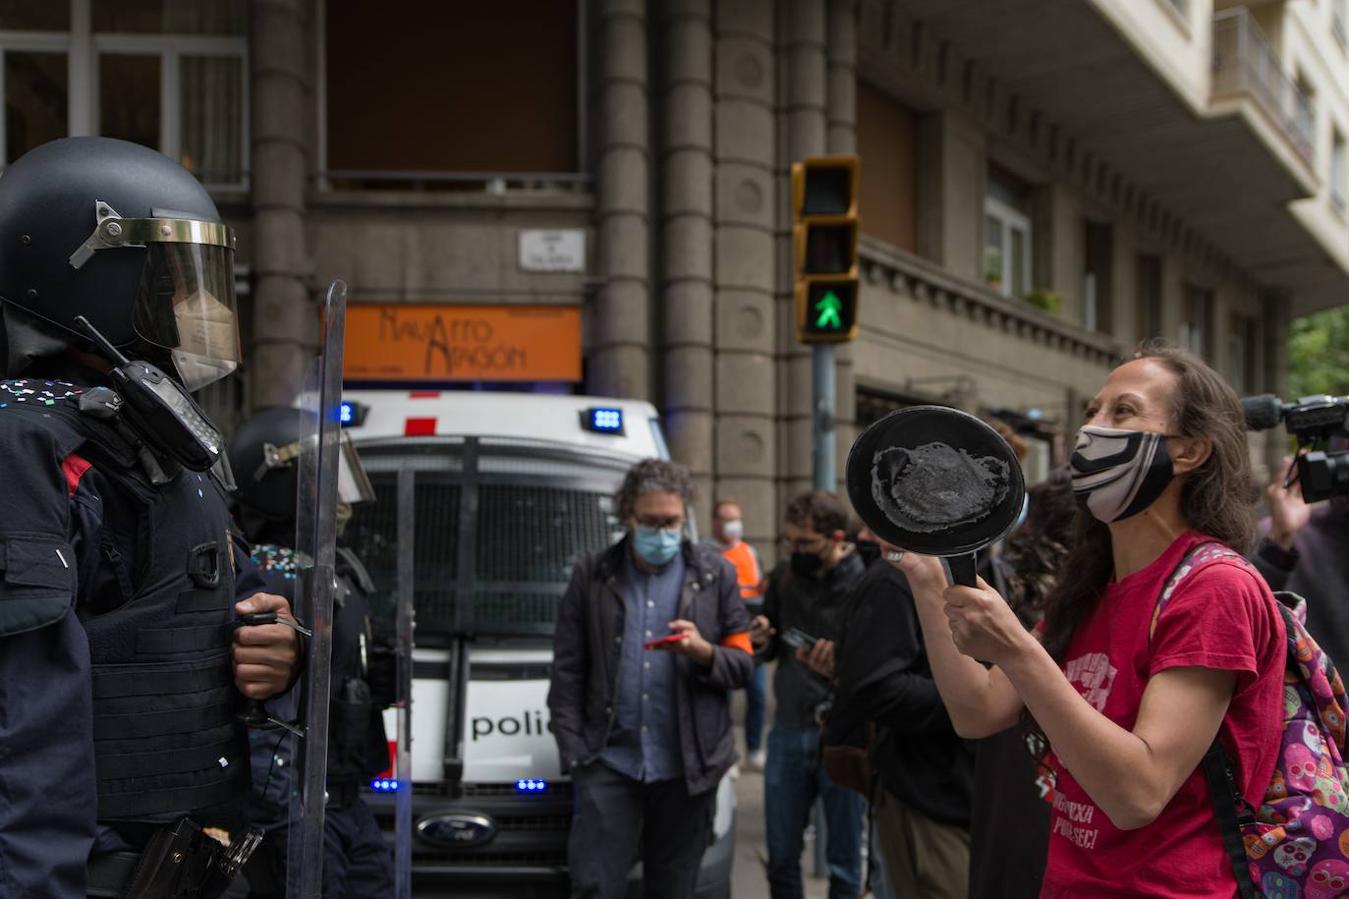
{"x":1241,"y":354}
{"x":1337,"y":173}
{"x":887,"y":140}
{"x":1097,"y":309}
{"x":1196,"y":325}
{"x":1305,"y":112}
{"x":1007,"y":235}
{"x":169,"y":74}
{"x":1149,"y":297}
{"x":873,"y":405}
{"x":418,"y":95}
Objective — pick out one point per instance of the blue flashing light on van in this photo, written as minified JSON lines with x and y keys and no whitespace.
{"x":530,"y":785}
{"x":603,"y":420}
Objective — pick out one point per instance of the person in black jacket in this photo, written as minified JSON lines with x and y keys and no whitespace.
{"x":807,"y":595}
{"x":1009,"y":838}
{"x":884,"y":695}
{"x":1305,"y":549}
{"x":651,"y":637}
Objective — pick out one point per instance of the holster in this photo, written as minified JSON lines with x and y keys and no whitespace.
{"x":179,"y":861}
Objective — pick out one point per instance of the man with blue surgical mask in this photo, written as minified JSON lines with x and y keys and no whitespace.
{"x":651,"y":634}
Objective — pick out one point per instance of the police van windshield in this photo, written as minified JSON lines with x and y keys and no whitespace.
{"x":498,"y":525}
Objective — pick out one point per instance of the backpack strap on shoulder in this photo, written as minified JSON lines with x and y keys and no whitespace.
{"x":1199,"y":555}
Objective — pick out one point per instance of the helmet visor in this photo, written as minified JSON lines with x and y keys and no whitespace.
{"x":186,"y":305}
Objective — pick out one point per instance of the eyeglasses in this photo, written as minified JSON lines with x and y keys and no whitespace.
{"x":673,"y":523}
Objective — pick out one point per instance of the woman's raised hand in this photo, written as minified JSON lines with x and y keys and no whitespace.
{"x":983,"y":626}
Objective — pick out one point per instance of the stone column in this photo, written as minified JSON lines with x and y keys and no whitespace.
{"x":285,"y":321}
{"x":841,"y":137}
{"x":802,"y":126}
{"x":685,"y":166}
{"x":745,"y":264}
{"x":620,"y":317}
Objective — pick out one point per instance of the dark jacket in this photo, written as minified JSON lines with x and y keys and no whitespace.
{"x":588,"y":644}
{"x":1317,"y":569}
{"x":816,"y":605}
{"x":882,"y":675}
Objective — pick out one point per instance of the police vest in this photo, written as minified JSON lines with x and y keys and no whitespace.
{"x":747,"y":571}
{"x":357,"y":748}
{"x":165,"y":736}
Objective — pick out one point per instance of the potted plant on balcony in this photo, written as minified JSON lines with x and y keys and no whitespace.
{"x":1048,"y":300}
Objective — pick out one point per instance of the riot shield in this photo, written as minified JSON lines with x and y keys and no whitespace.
{"x":316,"y":545}
{"x":407,"y":517}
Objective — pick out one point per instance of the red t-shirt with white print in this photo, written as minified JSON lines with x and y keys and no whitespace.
{"x":1222,"y":616}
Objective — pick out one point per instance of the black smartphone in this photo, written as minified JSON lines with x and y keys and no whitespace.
{"x":798,"y":639}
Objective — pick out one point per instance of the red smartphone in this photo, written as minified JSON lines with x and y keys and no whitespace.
{"x":661,"y":641}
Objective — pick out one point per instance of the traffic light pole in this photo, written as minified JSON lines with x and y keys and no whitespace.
{"x":823,"y":456}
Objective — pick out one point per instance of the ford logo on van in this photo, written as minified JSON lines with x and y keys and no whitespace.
{"x":457,"y":830}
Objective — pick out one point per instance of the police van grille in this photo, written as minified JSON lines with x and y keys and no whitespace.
{"x":528,"y":538}
{"x":373,"y":536}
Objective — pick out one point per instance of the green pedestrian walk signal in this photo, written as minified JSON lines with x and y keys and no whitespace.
{"x":831,"y":310}
{"x":824,"y":247}
{"x":827,"y":312}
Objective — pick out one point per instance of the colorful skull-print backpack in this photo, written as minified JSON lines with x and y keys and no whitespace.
{"x":1297,"y":843}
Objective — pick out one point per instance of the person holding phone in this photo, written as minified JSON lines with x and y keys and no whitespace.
{"x":651,"y":637}
{"x":804,"y":608}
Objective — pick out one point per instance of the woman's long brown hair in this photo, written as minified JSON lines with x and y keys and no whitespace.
{"x":1215,"y":499}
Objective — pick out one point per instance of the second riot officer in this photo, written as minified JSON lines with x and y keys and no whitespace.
{"x":356,"y":860}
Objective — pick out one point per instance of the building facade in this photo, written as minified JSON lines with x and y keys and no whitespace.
{"x":1043,"y":185}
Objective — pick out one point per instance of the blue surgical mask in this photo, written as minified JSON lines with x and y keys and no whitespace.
{"x":656,"y":546}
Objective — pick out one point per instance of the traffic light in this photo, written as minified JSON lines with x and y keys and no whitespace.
{"x":824,"y":232}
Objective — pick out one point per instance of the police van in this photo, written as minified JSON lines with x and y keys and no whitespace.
{"x":510,"y":490}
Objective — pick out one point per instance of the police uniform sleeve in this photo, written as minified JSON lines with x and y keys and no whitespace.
{"x":38,"y":587}
{"x":47,"y":813}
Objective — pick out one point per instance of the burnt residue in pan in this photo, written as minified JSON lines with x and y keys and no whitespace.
{"x":935,"y":487}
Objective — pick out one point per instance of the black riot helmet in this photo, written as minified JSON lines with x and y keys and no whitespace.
{"x":265,"y":457}
{"x":126,"y":237}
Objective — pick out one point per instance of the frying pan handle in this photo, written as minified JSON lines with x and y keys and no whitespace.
{"x":964,"y":569}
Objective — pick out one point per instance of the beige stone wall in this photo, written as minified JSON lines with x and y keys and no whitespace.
{"x":697,"y":109}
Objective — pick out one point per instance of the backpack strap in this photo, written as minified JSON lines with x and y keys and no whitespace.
{"x":1198,"y":555}
{"x":1218,"y":774}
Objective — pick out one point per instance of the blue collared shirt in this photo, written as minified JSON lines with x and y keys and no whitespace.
{"x":644,"y":742}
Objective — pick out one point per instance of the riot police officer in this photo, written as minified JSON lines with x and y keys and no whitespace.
{"x":122,"y":764}
{"x":356,"y":861}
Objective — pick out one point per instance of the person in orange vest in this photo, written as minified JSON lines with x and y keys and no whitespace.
{"x":728,"y":528}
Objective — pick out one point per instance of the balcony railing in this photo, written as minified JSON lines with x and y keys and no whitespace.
{"x":922,"y":281}
{"x":483,"y":182}
{"x":1245,"y":65}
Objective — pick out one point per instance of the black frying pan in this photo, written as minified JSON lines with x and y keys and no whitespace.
{"x":936,"y":481}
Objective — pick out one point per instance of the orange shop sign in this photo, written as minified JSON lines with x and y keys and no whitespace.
{"x":423,"y":342}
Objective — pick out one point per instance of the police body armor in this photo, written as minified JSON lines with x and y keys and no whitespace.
{"x":165,"y":737}
{"x":357,"y":746}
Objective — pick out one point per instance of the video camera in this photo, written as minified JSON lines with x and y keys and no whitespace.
{"x":1313,"y":421}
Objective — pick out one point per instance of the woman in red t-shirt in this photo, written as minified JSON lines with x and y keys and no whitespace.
{"x":1161,"y":465}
